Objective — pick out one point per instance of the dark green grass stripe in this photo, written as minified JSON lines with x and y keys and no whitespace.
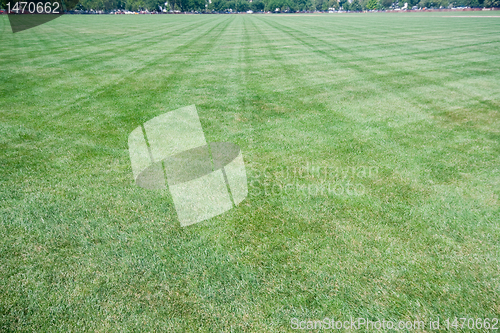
{"x":134,"y":44}
{"x":117,"y":47}
{"x":144,"y":66}
{"x":428,"y":57}
{"x":183,"y":48}
{"x":56,"y":61}
{"x":66,"y":111}
{"x":288,"y":72}
{"x":149,"y":40}
{"x":421,"y":81}
{"x":392,"y":40}
{"x":400,"y":139}
{"x":354,"y":52}
{"x":71,"y":24}
{"x":411,"y":101}
{"x":306,"y":39}
{"x":4,"y":27}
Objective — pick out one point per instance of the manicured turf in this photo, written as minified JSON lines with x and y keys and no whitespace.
{"x":402,"y":107}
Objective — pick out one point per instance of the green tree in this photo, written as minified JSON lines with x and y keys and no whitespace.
{"x":344,"y":4}
{"x":355,"y":6}
{"x":216,"y":5}
{"x":300,"y":5}
{"x":283,"y":5}
{"x":372,"y":4}
{"x":491,"y":3}
{"x":310,"y":5}
{"x":242,"y":5}
{"x":333,"y":4}
{"x":257,"y":6}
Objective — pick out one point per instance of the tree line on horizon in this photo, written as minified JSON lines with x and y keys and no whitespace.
{"x":270,"y":5}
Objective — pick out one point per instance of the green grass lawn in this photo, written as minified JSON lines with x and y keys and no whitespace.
{"x":404,"y":108}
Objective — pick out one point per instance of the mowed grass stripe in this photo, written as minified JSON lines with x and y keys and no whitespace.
{"x":48,"y":64}
{"x":132,"y":46}
{"x":125,"y":70}
{"x":417,"y":242}
{"x":147,"y":92}
{"x":386,"y":41}
{"x":368,"y":65}
{"x":351,"y":38}
{"x":82,"y":33}
{"x":358,"y":60}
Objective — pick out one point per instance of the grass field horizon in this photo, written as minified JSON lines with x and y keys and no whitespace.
{"x":404,"y":108}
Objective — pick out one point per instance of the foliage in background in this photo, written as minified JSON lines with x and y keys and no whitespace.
{"x":132,"y":5}
{"x":273,"y":5}
{"x":372,"y":4}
